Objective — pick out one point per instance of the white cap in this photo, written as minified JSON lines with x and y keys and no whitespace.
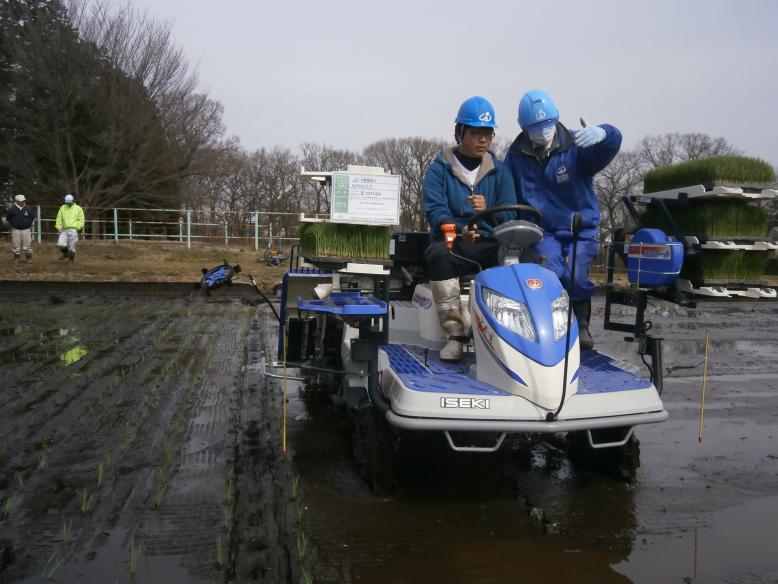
{"x":19,"y":199}
{"x":69,"y":199}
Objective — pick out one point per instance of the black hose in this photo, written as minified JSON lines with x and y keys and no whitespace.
{"x":265,"y":298}
{"x":576,"y":230}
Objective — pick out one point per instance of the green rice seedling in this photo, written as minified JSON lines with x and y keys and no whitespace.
{"x":168,"y":452}
{"x":179,"y":422}
{"x":307,"y":576}
{"x":713,"y":217}
{"x":228,"y":512}
{"x":100,"y":473}
{"x":43,"y":462}
{"x":19,"y":477}
{"x":160,"y":487}
{"x":302,"y":545}
{"x":345,"y":240}
{"x":723,"y":265}
{"x":48,"y":573}
{"x":294,"y":481}
{"x":128,"y":440}
{"x":67,"y":528}
{"x":7,"y":507}
{"x":300,"y":510}
{"x":219,"y":556}
{"x":86,"y":501}
{"x":135,"y":551}
{"x":738,"y":171}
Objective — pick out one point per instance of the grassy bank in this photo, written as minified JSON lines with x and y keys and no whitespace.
{"x":133,"y":261}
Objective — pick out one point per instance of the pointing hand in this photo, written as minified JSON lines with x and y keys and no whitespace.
{"x":589,"y":135}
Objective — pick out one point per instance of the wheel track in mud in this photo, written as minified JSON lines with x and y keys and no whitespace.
{"x":259,"y":549}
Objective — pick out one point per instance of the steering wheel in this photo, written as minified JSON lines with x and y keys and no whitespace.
{"x":487,"y":213}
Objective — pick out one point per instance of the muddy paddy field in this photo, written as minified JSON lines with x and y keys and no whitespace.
{"x":140,"y":441}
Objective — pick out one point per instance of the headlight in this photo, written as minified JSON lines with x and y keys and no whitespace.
{"x":559,"y":308}
{"x":509,"y":313}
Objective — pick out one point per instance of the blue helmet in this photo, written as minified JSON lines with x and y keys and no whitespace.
{"x":536,"y":107}
{"x":476,"y":111}
{"x":69,"y":199}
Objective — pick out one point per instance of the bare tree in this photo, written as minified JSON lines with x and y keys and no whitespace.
{"x":657,"y":151}
{"x":142,"y":50}
{"x":321,"y":157}
{"x":500,"y":145}
{"x":622,"y":177}
{"x":100,"y":104}
{"x":274,"y":180}
{"x":408,"y":157}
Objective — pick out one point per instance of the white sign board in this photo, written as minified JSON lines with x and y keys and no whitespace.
{"x":369,"y":199}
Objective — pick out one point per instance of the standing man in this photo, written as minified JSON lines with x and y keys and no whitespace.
{"x":461,"y":181}
{"x":70,"y":220}
{"x":21,"y":219}
{"x":553,"y":170}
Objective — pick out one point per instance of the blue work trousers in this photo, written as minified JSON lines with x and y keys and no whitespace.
{"x":557,"y":248}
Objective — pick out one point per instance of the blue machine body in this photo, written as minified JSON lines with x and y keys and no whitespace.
{"x":537,"y":288}
{"x":653,"y":258}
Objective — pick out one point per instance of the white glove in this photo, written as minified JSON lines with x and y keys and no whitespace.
{"x":589,"y":135}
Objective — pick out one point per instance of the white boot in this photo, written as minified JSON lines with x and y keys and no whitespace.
{"x":446,"y":295}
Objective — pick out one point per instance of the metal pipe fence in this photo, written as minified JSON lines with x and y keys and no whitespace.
{"x":189,"y":227}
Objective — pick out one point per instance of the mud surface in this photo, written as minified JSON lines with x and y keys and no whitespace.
{"x":142,"y":443}
{"x":135,"y":439}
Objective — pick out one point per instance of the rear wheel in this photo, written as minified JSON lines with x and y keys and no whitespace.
{"x":618,"y":462}
{"x":374,"y":447}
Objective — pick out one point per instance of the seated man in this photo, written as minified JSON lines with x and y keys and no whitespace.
{"x":461,"y":181}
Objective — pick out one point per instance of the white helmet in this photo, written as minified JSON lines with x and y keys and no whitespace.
{"x":19,"y":199}
{"x":69,"y":199}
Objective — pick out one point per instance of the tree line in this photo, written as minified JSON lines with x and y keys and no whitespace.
{"x":99,"y":102}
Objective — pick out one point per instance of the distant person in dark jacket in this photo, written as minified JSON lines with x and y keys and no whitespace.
{"x":460,"y":182}
{"x":21,"y":219}
{"x":553,"y":170}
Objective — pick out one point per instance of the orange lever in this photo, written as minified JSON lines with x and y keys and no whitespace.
{"x":449,"y":234}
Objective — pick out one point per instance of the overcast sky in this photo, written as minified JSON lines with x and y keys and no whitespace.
{"x":349,"y":72}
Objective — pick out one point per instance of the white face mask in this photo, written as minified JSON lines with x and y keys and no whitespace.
{"x":542,"y":136}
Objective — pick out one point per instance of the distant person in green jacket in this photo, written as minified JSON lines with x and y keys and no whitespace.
{"x":70,"y":220}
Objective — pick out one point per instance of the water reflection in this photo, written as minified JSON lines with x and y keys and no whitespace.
{"x":525,"y":514}
{"x":735,"y":545}
{"x":73,"y":355}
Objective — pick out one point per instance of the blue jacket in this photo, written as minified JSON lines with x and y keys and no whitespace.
{"x":446,"y":191}
{"x":563,"y":185}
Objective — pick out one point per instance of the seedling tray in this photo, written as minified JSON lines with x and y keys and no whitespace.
{"x":346,"y":304}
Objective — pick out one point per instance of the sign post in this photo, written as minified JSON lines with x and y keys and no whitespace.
{"x":366,"y":199}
